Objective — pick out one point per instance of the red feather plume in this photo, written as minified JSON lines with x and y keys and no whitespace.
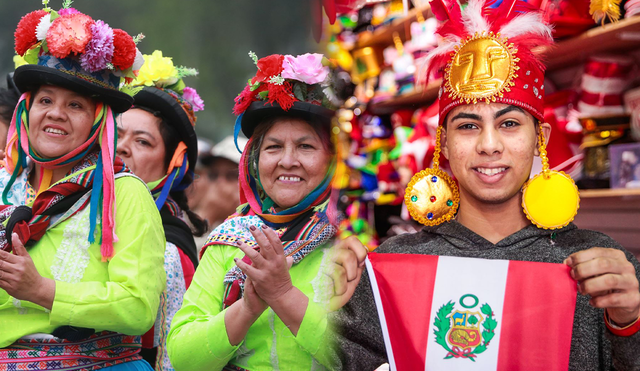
{"x":330,"y":10}
{"x":526,"y":44}
{"x":451,"y":15}
{"x":507,"y":11}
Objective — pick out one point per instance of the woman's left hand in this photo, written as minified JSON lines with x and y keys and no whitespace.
{"x":269,"y":271}
{"x":20,"y":278}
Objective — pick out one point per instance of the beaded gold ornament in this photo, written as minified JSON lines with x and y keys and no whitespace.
{"x":483,"y":67}
{"x":432,"y":197}
{"x":550,"y":199}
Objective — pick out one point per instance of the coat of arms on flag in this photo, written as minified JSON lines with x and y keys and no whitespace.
{"x":448,"y":313}
{"x":465,"y":333}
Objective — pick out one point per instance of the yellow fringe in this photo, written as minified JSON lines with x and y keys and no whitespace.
{"x":602,"y":9}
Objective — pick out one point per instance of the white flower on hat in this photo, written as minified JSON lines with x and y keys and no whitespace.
{"x":43,"y":27}
{"x":138,"y":62}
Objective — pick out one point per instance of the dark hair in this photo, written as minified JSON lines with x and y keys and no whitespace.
{"x":8,"y":101}
{"x":171,"y":139}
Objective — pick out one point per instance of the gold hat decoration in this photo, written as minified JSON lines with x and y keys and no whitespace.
{"x":432,"y":197}
{"x":483,"y":67}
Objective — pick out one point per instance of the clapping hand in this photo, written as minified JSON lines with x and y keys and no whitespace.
{"x":268,"y":274}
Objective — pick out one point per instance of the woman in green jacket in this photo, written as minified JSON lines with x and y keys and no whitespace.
{"x":261,"y":294}
{"x":82,"y":246}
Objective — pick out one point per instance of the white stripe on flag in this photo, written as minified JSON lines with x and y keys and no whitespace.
{"x":455,"y":278}
{"x":383,"y":320}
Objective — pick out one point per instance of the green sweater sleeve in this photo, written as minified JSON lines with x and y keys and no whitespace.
{"x":128,"y":301}
{"x":198,"y":338}
{"x":314,"y":335}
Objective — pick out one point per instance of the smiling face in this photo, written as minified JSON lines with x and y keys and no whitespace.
{"x":293,"y":161}
{"x":140,"y":144}
{"x":490,"y":148}
{"x":60,"y":121}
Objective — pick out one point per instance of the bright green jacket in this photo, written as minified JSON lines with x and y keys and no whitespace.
{"x":198,"y":339}
{"x":120,"y":295}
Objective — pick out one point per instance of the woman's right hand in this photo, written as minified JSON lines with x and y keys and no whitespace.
{"x":269,"y":268}
{"x":252,"y":302}
{"x":348,"y":264}
{"x":20,"y":278}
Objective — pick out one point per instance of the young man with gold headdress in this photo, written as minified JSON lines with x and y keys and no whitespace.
{"x":491,"y":127}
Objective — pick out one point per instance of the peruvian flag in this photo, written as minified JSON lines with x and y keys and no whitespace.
{"x":447,"y":313}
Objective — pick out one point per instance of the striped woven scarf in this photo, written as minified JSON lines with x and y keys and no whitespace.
{"x":33,"y":227}
{"x":176,"y":179}
{"x":102,"y":180}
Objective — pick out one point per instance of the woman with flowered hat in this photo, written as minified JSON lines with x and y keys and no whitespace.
{"x":81,"y":239}
{"x":491,"y":127}
{"x":260,"y":297}
{"x":157,"y":141}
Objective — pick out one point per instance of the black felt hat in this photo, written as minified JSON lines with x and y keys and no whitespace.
{"x":30,"y":77}
{"x":261,"y":111}
{"x":168,"y":104}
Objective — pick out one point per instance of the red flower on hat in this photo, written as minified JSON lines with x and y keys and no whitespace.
{"x":124,"y":51}
{"x":246,"y":97}
{"x":282,"y":95}
{"x":268,"y":67}
{"x":69,"y":34}
{"x":25,"y":35}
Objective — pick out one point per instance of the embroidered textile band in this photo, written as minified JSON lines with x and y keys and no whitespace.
{"x":90,"y":79}
{"x":98,"y":351}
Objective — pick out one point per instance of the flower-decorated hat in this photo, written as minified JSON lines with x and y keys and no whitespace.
{"x":286,"y":85}
{"x":69,"y":49}
{"x":487,"y":53}
{"x":163,"y":90}
{"x":160,"y":88}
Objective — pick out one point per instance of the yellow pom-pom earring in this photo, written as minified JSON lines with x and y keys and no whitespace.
{"x":432,"y":197}
{"x":550,"y":199}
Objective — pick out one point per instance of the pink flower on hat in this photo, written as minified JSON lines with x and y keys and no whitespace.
{"x":307,"y":68}
{"x":191,"y":96}
{"x":68,"y":11}
{"x":69,"y":34}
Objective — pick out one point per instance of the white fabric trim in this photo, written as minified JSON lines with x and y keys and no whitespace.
{"x":457,"y":277}
{"x":322,"y":286}
{"x":587,"y":110}
{"x":72,"y":256}
{"x":275,"y":363}
{"x":383,"y":320}
{"x":607,"y":86}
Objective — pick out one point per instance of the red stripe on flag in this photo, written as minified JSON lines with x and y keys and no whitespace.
{"x":537,"y":322}
{"x":407,"y":311}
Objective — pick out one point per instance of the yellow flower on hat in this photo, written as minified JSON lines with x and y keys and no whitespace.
{"x":19,"y":61}
{"x":157,"y":71}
